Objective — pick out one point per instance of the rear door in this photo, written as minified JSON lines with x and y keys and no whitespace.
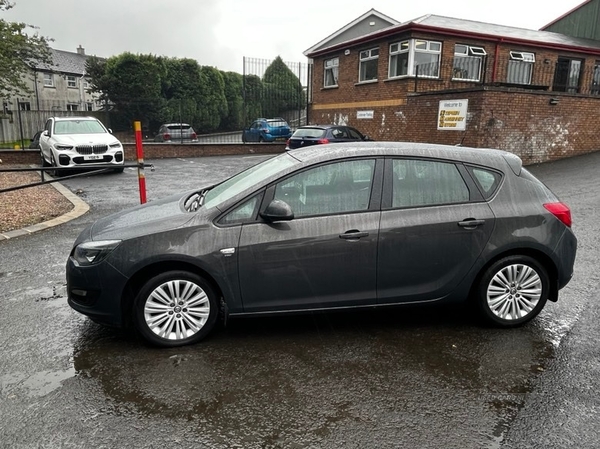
{"x":327,"y":255}
{"x":434,"y":226}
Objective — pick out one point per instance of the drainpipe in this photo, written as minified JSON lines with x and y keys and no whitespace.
{"x":497,"y":51}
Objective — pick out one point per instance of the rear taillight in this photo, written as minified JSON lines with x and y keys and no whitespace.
{"x":560,"y":211}
{"x":166,"y":136}
{"x":323,"y":141}
{"x":287,"y":142}
{"x":194,"y":136}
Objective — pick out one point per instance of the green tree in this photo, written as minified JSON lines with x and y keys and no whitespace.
{"x":234,"y":120}
{"x":253,"y":98}
{"x":282,"y":89}
{"x":18,"y":53}
{"x":213,"y":104}
{"x":132,"y":85}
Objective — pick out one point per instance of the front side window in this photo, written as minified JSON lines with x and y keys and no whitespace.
{"x":468,"y":62}
{"x":331,"y":72}
{"x":340,"y":187}
{"x":368,"y":65}
{"x":520,"y":67}
{"x":242,"y":213}
{"x":415,"y":57}
{"x":418,"y":183}
{"x":71,"y":81}
{"x":48,"y":80}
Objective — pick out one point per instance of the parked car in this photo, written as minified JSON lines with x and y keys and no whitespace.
{"x":35,"y":141}
{"x":267,"y":130}
{"x":378,"y":224}
{"x":176,"y":132}
{"x":322,"y":134}
{"x":79,"y":142}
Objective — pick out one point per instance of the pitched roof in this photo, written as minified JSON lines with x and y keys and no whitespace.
{"x":565,"y":15}
{"x":473,"y":29}
{"x":65,"y":62}
{"x":382,"y":21}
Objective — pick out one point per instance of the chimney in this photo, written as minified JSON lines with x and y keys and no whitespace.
{"x":80,"y":50}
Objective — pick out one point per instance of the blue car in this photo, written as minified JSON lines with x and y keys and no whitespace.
{"x":267,"y":130}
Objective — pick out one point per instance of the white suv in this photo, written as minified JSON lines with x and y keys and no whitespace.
{"x":74,"y":142}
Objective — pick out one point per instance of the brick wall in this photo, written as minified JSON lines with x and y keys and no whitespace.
{"x":158,"y":151}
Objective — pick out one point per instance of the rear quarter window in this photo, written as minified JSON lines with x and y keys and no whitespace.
{"x":486,"y":179}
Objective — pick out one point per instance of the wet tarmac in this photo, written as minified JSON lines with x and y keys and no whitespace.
{"x":408,"y":378}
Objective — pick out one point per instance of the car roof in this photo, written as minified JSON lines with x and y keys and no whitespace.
{"x":73,"y":117}
{"x":478,"y":156}
{"x":323,"y":126}
{"x":175,"y":124}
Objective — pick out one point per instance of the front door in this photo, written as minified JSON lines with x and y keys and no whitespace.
{"x":326,"y":256}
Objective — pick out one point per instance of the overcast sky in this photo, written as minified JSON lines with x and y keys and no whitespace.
{"x":220,"y":33}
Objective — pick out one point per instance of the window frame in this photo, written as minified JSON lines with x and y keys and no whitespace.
{"x":471,"y":53}
{"x":334,"y":69}
{"x":410,"y":47}
{"x":523,"y":59}
{"x":366,"y":60}
{"x":48,"y":79}
{"x":71,"y":82}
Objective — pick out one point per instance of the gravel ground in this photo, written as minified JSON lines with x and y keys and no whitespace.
{"x":29,"y":206}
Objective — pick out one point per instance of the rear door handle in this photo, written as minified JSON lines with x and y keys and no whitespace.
{"x":353,"y":235}
{"x":470,"y":223}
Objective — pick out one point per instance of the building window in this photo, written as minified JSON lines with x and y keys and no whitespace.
{"x":331,"y":72}
{"x":72,"y":107}
{"x":89,"y":106}
{"x":567,"y":75}
{"x":595,"y":88}
{"x":48,"y":80}
{"x":415,"y":57}
{"x":71,"y":81}
{"x":467,"y":63}
{"x":24,"y":105}
{"x":368,"y":65}
{"x":520,"y":67}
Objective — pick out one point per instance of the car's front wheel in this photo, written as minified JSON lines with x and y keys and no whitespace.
{"x":175,"y":308}
{"x":513,"y":291}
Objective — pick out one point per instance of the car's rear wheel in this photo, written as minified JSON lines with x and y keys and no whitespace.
{"x":513,"y":291}
{"x":175,"y":308}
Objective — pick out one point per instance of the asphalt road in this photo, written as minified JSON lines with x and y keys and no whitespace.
{"x":410,"y":378}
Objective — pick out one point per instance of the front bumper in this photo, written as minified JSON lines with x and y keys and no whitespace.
{"x":96,"y":291}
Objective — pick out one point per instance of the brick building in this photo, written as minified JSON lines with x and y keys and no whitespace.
{"x":444,"y":80}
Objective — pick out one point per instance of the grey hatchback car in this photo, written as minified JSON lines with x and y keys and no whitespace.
{"x":328,"y":227}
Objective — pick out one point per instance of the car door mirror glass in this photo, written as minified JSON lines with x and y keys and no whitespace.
{"x":46,"y":133}
{"x":278,"y":210}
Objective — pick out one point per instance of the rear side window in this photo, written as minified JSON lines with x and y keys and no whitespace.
{"x":487,"y":180}
{"x":417,"y":183}
{"x":309,"y":132}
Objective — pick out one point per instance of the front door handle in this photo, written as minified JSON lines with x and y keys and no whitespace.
{"x":470,"y":223}
{"x":353,"y":235}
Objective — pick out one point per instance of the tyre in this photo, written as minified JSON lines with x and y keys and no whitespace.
{"x":175,"y":308}
{"x":513,"y":291}
{"x":55,"y":173}
{"x":44,"y":161}
{"x":260,"y":139}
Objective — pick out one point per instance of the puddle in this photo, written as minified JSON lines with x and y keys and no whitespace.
{"x":36,"y":385}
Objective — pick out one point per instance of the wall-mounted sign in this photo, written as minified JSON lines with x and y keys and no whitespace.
{"x":452,"y":115}
{"x":364,"y":114}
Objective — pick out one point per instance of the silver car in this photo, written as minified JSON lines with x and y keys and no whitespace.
{"x":328,"y":227}
{"x":176,"y":132}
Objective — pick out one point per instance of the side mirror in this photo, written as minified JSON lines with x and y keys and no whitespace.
{"x":46,"y":133}
{"x":278,"y":210}
{"x":367,"y":138}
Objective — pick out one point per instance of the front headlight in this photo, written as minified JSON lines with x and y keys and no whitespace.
{"x":91,"y":253}
{"x":115,"y":145}
{"x":63,"y":146}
